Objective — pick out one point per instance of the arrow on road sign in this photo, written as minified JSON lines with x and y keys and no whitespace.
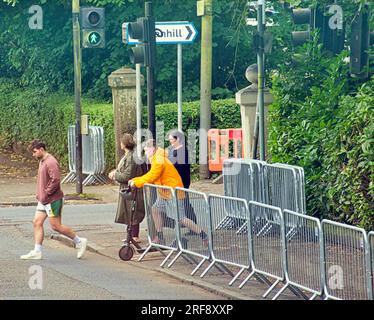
{"x":173,"y":32}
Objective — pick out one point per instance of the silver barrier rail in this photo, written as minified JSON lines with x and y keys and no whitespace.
{"x":304,"y":255}
{"x":241,"y":179}
{"x":161,"y":213}
{"x":193,"y":226}
{"x":228,"y":246}
{"x":300,"y":184}
{"x":283,"y":189}
{"x":267,"y":247}
{"x":371,"y":242}
{"x":93,"y":159}
{"x":347,"y":262}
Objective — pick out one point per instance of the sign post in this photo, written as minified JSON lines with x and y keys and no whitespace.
{"x":172,"y":32}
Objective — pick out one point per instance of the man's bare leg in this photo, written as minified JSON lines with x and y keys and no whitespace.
{"x":38,"y":222}
{"x":57,"y":226}
{"x":80,"y":243}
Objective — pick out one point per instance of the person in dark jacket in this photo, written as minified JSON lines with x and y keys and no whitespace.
{"x":126,"y":170}
{"x":178,"y":156}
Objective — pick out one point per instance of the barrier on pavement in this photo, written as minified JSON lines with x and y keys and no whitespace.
{"x":228,"y":245}
{"x":371,"y":274}
{"x":193,"y":217}
{"x":93,"y":159}
{"x":327,"y":259}
{"x":161,"y":214}
{"x":304,"y":255}
{"x":347,"y":262}
{"x":268,"y":247}
{"x":219,"y":146}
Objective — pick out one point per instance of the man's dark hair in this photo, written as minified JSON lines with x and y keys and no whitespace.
{"x":36,"y":144}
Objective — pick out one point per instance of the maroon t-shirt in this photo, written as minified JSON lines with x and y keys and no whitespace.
{"x":48,"y":187}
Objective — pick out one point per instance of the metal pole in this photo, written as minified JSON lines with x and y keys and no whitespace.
{"x":205,"y":87}
{"x":261,"y":73}
{"x":138,"y":112}
{"x":180,"y":74}
{"x":77,"y":92}
{"x":151,"y":73}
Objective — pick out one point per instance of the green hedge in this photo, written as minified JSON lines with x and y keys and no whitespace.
{"x":26,"y":113}
{"x":324,"y":121}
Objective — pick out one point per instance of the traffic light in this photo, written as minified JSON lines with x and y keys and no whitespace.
{"x":93,"y":27}
{"x":144,"y":31}
{"x":328,"y":20}
{"x":361,"y":40}
{"x":302,"y":16}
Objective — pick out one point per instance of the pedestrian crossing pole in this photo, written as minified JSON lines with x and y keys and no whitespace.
{"x":77,"y":93}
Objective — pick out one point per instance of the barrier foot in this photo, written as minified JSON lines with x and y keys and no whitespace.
{"x":271,"y":288}
{"x":190,"y":260}
{"x":246,"y":280}
{"x":166,"y":259}
{"x":207,"y":269}
{"x":144,"y":253}
{"x":262,"y":279}
{"x":313,"y":296}
{"x":224,"y":269}
{"x":280,"y":292}
{"x":175,"y":259}
{"x":237,"y":276}
{"x":297,"y":292}
{"x":198,"y":266}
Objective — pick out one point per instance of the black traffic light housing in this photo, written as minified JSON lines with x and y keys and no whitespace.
{"x":144,"y":31}
{"x":315,"y":18}
{"x":361,"y":40}
{"x":93,"y":27}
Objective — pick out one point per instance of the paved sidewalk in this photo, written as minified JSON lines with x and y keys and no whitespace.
{"x":106,"y":239}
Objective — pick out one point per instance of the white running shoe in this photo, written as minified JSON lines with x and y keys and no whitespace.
{"x":32,"y":255}
{"x":81,"y":247}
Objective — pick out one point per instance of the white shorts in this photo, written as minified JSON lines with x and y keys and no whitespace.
{"x":53,"y":209}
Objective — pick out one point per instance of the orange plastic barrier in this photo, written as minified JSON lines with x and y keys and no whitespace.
{"x":224,"y":144}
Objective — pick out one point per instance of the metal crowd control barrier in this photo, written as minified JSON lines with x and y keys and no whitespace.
{"x":93,"y":159}
{"x":304,"y":255}
{"x":347,"y":262}
{"x":241,"y":179}
{"x":193,"y":215}
{"x":285,"y":188}
{"x":267,"y":247}
{"x":161,"y":213}
{"x":229,"y":246}
{"x":371,"y":242}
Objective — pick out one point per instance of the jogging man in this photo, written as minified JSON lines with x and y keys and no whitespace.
{"x":50,"y":202}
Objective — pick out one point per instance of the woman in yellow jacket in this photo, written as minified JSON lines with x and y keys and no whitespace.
{"x":163,"y":173}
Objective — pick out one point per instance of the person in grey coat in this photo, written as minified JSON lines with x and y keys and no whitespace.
{"x":126,"y":170}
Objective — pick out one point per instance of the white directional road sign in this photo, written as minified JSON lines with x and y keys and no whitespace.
{"x":173,"y":32}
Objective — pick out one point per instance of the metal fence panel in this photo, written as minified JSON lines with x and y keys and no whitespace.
{"x":304,"y":254}
{"x":267,"y":225}
{"x":346,"y":261}
{"x":193,"y":225}
{"x":162,"y":217}
{"x":93,"y":159}
{"x":371,"y":242}
{"x":229,"y":245}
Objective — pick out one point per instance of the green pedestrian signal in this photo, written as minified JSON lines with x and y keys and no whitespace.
{"x":93,"y":27}
{"x":94,"y":38}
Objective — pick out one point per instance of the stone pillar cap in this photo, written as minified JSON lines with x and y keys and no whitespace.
{"x":248,"y":96}
{"x":124,"y":77}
